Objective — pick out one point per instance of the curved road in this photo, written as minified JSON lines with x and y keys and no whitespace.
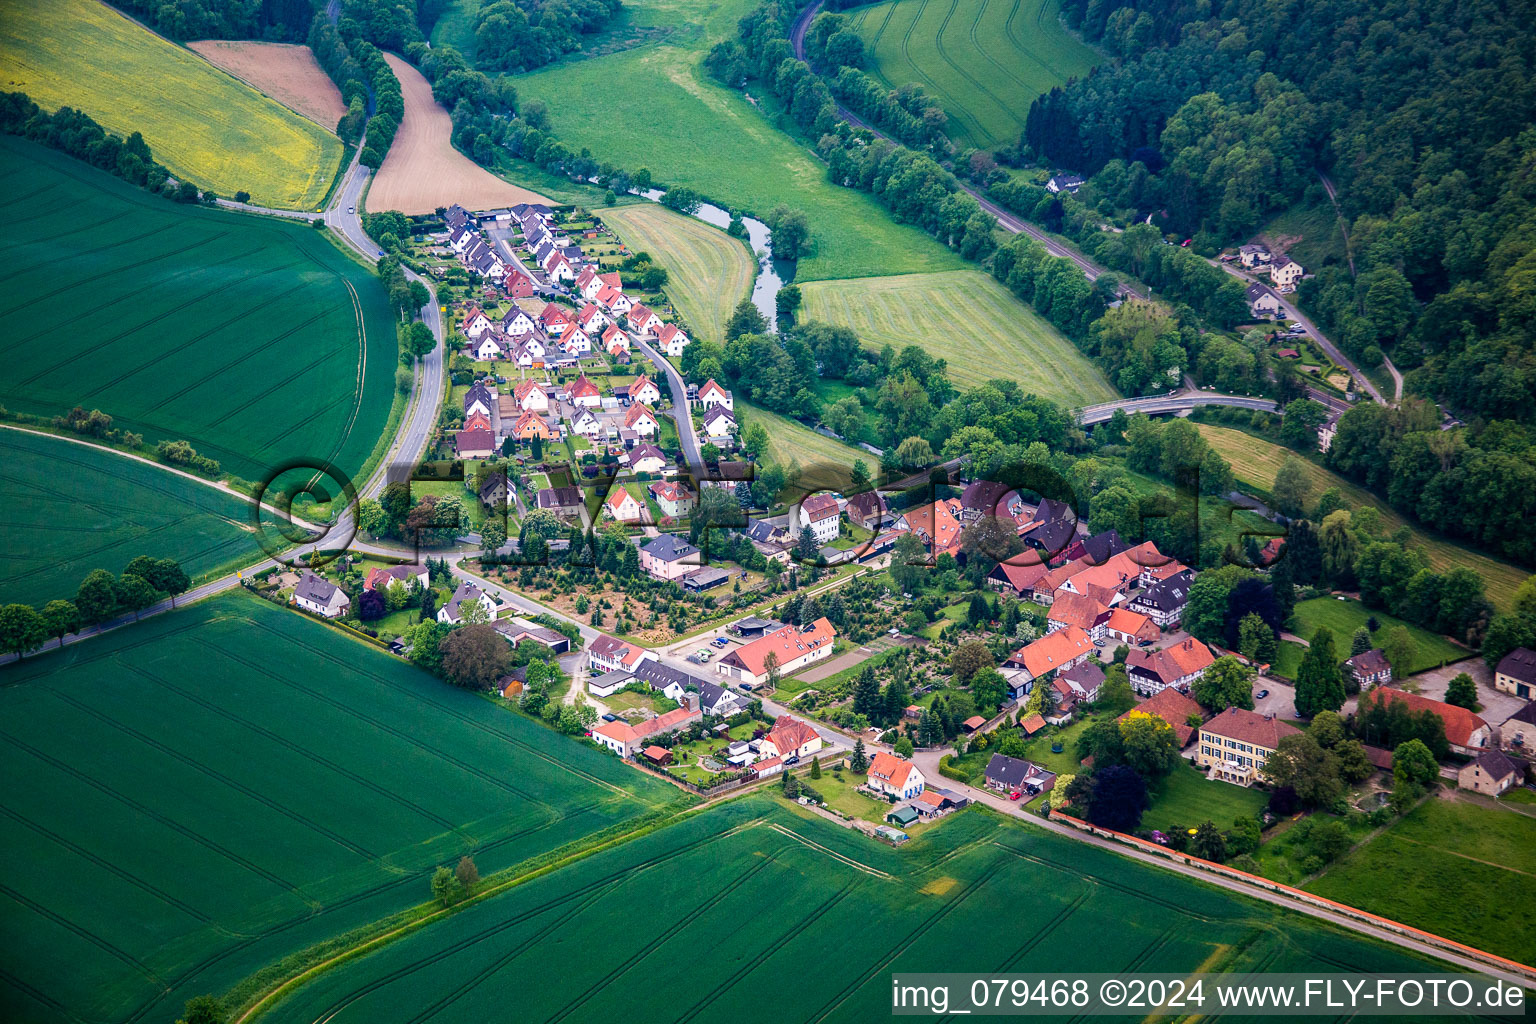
{"x":681,"y":414}
{"x":410,"y":438}
{"x":1179,"y":402}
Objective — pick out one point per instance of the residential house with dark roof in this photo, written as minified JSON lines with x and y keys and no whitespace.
{"x":516,"y":630}
{"x":669,"y":557}
{"x":1078,"y":685}
{"x":467,"y":595}
{"x":989,"y":498}
{"x":1519,"y":730}
{"x":1016,"y":775}
{"x":321,"y":597}
{"x":718,"y":702}
{"x":563,"y":501}
{"x":866,"y":510}
{"x":1236,"y":744}
{"x":1098,"y":549}
{"x":1164,"y":602}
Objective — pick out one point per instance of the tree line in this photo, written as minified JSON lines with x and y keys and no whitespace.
{"x":275,"y":20}
{"x":100,"y":598}
{"x":362,"y":74}
{"x":74,"y":132}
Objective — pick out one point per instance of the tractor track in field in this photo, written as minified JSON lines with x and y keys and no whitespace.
{"x":938,"y":41}
{"x":976,"y":44}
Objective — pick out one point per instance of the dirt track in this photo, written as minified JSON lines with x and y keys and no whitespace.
{"x":423,"y":171}
{"x":282,"y":71}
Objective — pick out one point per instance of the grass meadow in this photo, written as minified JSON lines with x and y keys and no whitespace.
{"x":224,"y":785}
{"x":654,"y":106}
{"x":201,"y":123}
{"x":791,"y":911}
{"x":1463,"y":870}
{"x":71,"y":508}
{"x":1255,"y":462}
{"x":708,"y":271}
{"x":256,"y":340}
{"x":791,"y":443}
{"x":1344,"y":617}
{"x":985,"y":60}
{"x":967,"y":318}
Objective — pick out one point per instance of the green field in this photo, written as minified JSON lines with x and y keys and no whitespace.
{"x":70,"y":508}
{"x":201,"y":123}
{"x":985,"y":60}
{"x":708,"y":271}
{"x":654,"y":106}
{"x":791,"y":443}
{"x":1344,"y":617}
{"x":1461,"y":870}
{"x":256,"y":340}
{"x":1255,"y":462}
{"x":967,"y":318}
{"x":768,"y":906}
{"x":221,"y":786}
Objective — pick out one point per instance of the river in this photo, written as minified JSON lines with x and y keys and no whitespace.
{"x":772,"y":274}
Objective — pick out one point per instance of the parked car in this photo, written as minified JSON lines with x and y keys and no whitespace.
{"x":1261,"y":695}
{"x":1015,"y":795}
{"x":610,"y":718}
{"x":719,"y":641}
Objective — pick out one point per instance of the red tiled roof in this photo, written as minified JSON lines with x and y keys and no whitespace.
{"x":1174,"y":708}
{"x":789,"y":643}
{"x":1250,"y":727}
{"x":1053,"y":650}
{"x":1460,"y":723}
{"x":890,"y":769}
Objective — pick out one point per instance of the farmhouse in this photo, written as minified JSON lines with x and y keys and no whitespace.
{"x":1128,"y":627}
{"x":461,"y":607}
{"x":1176,"y":666}
{"x":1467,"y":733}
{"x":1086,"y":613}
{"x":624,"y":738}
{"x":1098,"y":549}
{"x":1015,"y":775}
{"x":789,"y":740}
{"x":1520,"y":730}
{"x":1236,"y":744}
{"x":890,"y":775}
{"x":669,"y":557}
{"x":321,"y":597}
{"x":1051,"y":529}
{"x":792,"y":648}
{"x":1054,"y":652}
{"x":1021,"y":579}
{"x":1490,"y":774}
{"x":1516,"y":673}
{"x":1164,"y":602}
{"x":1369,"y":668}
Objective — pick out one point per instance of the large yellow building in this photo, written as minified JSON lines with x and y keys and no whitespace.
{"x":1235,"y":745}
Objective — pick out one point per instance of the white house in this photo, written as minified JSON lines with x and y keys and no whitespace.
{"x":644,"y":391}
{"x":321,"y":596}
{"x":476,"y":322}
{"x":895,"y":776}
{"x":532,"y":396}
{"x":622,"y":506}
{"x":517,"y":323}
{"x":821,"y":514}
{"x":487,"y":348}
{"x":792,"y":647}
{"x":608,"y":654}
{"x":1263,"y":304}
{"x":789,"y":738}
{"x":586,"y":423}
{"x":1285,"y":272}
{"x":647,"y":459}
{"x":615,"y":340}
{"x":641,"y":420}
{"x":585,"y":394}
{"x":712,"y":394}
{"x":672,"y":340}
{"x":719,"y":425}
{"x":467,"y":596}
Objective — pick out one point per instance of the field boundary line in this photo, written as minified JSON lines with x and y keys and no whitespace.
{"x":644,"y":828}
{"x":841,"y":858}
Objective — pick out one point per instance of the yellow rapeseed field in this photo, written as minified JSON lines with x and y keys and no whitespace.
{"x":200,"y":122}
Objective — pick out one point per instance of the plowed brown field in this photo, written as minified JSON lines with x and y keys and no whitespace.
{"x":284,"y":72}
{"x":423,"y":171}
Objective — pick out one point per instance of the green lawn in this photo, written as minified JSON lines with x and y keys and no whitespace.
{"x":985,"y":60}
{"x":254,"y":339}
{"x":1457,"y":869}
{"x":1186,"y":798}
{"x":969,"y":319}
{"x":654,"y":106}
{"x":844,"y":797}
{"x":1255,"y":462}
{"x":788,"y":888}
{"x":221,"y":786}
{"x":71,"y":509}
{"x":1288,"y":662}
{"x":1344,"y":617}
{"x":708,"y":271}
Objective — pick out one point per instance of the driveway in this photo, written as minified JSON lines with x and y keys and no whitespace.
{"x":1281,"y":701}
{"x":834,"y":666}
{"x":1496,"y":706}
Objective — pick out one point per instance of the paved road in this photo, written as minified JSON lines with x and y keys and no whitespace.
{"x":681,"y":415}
{"x":1177,"y":402}
{"x":410,"y":439}
{"x":928,"y":762}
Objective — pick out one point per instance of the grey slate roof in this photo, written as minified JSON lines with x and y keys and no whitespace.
{"x":315,"y":588}
{"x":1169,"y":594}
{"x":669,"y":547}
{"x":1519,"y":663}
